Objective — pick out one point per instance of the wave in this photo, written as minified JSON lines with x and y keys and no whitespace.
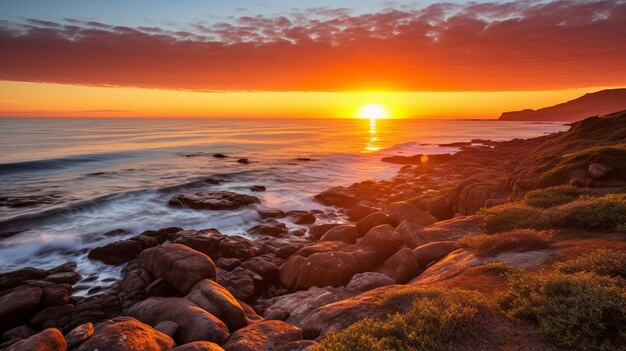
{"x":59,"y":163}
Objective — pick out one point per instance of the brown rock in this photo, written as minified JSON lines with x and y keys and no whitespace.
{"x":117,"y":252}
{"x":384,"y":239}
{"x":301,"y":217}
{"x":327,"y":269}
{"x":402,"y":210}
{"x":346,"y":233}
{"x":236,"y":247}
{"x":264,"y":267}
{"x":401,"y":266}
{"x":367,"y":281}
{"x":302,"y":345}
{"x":228,"y":263}
{"x":239,"y":282}
{"x":63,"y":277}
{"x":263,"y":336}
{"x":290,"y":271}
{"x":370,"y":221}
{"x":179,"y":265}
{"x":21,"y":332}
{"x":57,"y":294}
{"x":317,"y":230}
{"x":337,"y":196}
{"x":194,"y":323}
{"x":53,"y":316}
{"x":199,"y":346}
{"x":322,"y":246}
{"x":440,"y":207}
{"x":265,"y":212}
{"x":213,"y":200}
{"x":168,"y":328}
{"x":18,"y":306}
{"x":79,"y":334}
{"x":47,"y":340}
{"x":270,"y":228}
{"x":20,"y":276}
{"x":218,"y":301}
{"x":598,"y":170}
{"x":297,"y":305}
{"x":433,"y":252}
{"x":125,"y":333}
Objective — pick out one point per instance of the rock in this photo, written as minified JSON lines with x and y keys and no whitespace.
{"x":20,"y":276}
{"x":53,"y":316}
{"x":384,"y":239}
{"x":365,"y":256}
{"x":302,"y":345}
{"x":194,"y":323}
{"x":322,"y":246}
{"x":318,"y":230}
{"x":263,"y":267}
{"x":265,"y":212}
{"x":244,"y":161}
{"x":257,"y":188}
{"x":263,"y":336}
{"x":449,"y":267}
{"x":301,"y":217}
{"x":168,"y":328}
{"x":179,"y":265}
{"x":337,"y":196}
{"x":218,"y":301}
{"x":79,"y":334}
{"x":270,"y":228}
{"x":48,"y":340}
{"x":117,"y":252}
{"x":327,"y":269}
{"x":433,"y":252}
{"x":346,"y":233}
{"x":218,"y":155}
{"x":21,"y":332}
{"x":239,"y":282}
{"x":236,"y":247}
{"x":213,"y":181}
{"x":402,"y":210}
{"x":440,"y":207}
{"x":250,"y":312}
{"x":63,"y":277}
{"x":57,"y":294}
{"x":359,"y":211}
{"x":401,"y":266}
{"x":598,"y":170}
{"x":18,"y":306}
{"x":213,"y":200}
{"x":295,"y":306}
{"x":199,"y":346}
{"x":228,"y":263}
{"x":367,"y":281}
{"x":290,"y":271}
{"x":160,"y":287}
{"x":370,"y":221}
{"x":135,"y":279}
{"x":123,"y":334}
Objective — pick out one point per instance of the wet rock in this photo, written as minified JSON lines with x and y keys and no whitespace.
{"x":125,"y":333}
{"x":433,"y":252}
{"x":94,"y":309}
{"x":337,"y":196}
{"x":384,"y":239}
{"x":257,"y":188}
{"x":228,"y":263}
{"x":301,"y":217}
{"x":213,"y":200}
{"x":135,"y":278}
{"x":116,"y":232}
{"x":199,"y":346}
{"x":218,"y":155}
{"x":316,"y":231}
{"x":213,"y":181}
{"x":370,"y":221}
{"x":218,"y":301}
{"x":282,"y":247}
{"x":21,"y":332}
{"x":58,"y":294}
{"x":346,"y":233}
{"x":265,"y":212}
{"x":599,"y":170}
{"x":402,"y":266}
{"x":47,"y":340}
{"x":237,"y":247}
{"x":263,"y":336}
{"x":79,"y":334}
{"x":270,"y":228}
{"x":168,"y":328}
{"x":402,"y":210}
{"x":53,"y":316}
{"x":244,"y":161}
{"x":20,"y":276}
{"x":195,"y":324}
{"x":179,"y":265}
{"x":63,"y":277}
{"x":117,"y":252}
{"x":367,"y":281}
{"x":263,"y":266}
{"x":17,"y":306}
{"x":206,"y":241}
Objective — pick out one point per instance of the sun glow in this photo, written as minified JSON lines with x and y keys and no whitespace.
{"x":373,"y":112}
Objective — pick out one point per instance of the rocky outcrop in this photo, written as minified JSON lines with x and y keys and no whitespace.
{"x":384,"y":239}
{"x":319,"y":269}
{"x":218,"y":301}
{"x":346,"y":233}
{"x":79,"y":334}
{"x":295,"y":306}
{"x":17,"y":306}
{"x":48,"y":340}
{"x":213,"y":200}
{"x":125,"y":333}
{"x":263,"y":336}
{"x":402,"y":266}
{"x":199,"y":346}
{"x":433,"y":252}
{"x":402,"y":210}
{"x":368,"y":280}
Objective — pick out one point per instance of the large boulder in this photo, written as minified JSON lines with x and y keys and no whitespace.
{"x":117,"y":252}
{"x":194,"y":323}
{"x":18,"y":306}
{"x":263,"y":336}
{"x":20,"y":276}
{"x":368,"y":280}
{"x":199,"y":346}
{"x":401,"y":266}
{"x":218,"y":301}
{"x":440,"y":207}
{"x":370,"y":221}
{"x":345,"y":232}
{"x":297,"y":305}
{"x":179,"y":265}
{"x":48,"y":340}
{"x":402,"y":210}
{"x":240,"y":282}
{"x":125,"y":333}
{"x":213,"y":200}
{"x":598,"y":170}
{"x":384,"y":239}
{"x":57,"y":294}
{"x":433,"y":252}
{"x":322,"y":269}
{"x":79,"y":334}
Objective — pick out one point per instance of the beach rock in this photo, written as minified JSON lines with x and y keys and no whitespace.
{"x":21,"y":332}
{"x":237,"y":247}
{"x":63,"y":277}
{"x":440,"y":207}
{"x":301,"y":217}
{"x":168,"y":328}
{"x":18,"y":306}
{"x":213,"y":181}
{"x":302,"y":345}
{"x":402,"y":266}
{"x":327,"y":269}
{"x":402,"y":210}
{"x":447,"y":268}
{"x":367,"y":281}
{"x":57,"y":294}
{"x":364,"y":255}
{"x":199,"y":346}
{"x":384,"y":239}
{"x":53,"y":316}
{"x":359,"y":211}
{"x":218,"y":301}
{"x":257,"y":188}
{"x":228,"y":263}
{"x":117,"y":252}
{"x":160,"y":287}
{"x":244,"y":161}
{"x":337,"y":196}
{"x":322,"y":246}
{"x":123,"y":334}
{"x":20,"y":276}
{"x":433,"y":252}
{"x":218,"y":155}
{"x":290,"y":271}
{"x":263,"y":266}
{"x":265,"y":212}
{"x":213,"y":200}
{"x":316,"y":231}
{"x":181,"y":266}
{"x":79,"y":334}
{"x":598,"y":170}
{"x":263,"y":336}
{"x":370,"y":221}
{"x":47,"y":340}
{"x":239,"y":282}
{"x":194,"y":323}
{"x":270,"y":228}
{"x":135,"y":278}
{"x":295,"y":306}
{"x":346,"y":233}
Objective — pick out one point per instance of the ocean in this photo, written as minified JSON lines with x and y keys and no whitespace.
{"x":65,"y":182}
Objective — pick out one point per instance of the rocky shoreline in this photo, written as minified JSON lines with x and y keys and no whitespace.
{"x":288,"y":289}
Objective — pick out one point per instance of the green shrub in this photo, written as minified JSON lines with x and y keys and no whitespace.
{"x":580,"y":311}
{"x":501,"y":268}
{"x":444,"y":319}
{"x":516,"y":240}
{"x":553,"y":196}
{"x":607,"y":212}
{"x":510,"y":216}
{"x":602,"y":262}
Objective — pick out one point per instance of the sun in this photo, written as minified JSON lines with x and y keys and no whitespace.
{"x":373,"y":112}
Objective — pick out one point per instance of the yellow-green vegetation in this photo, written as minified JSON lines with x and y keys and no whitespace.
{"x":552,"y":196}
{"x":516,"y":240}
{"x":501,"y":268}
{"x":580,"y":311}
{"x":440,"y":319}
{"x":606,"y":212}
{"x":603,"y":262}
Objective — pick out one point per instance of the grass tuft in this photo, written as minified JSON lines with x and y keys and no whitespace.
{"x":517,"y":240}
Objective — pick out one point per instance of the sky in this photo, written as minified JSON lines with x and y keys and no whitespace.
{"x":191,"y":58}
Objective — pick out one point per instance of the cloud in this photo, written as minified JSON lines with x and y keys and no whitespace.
{"x":521,"y":45}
